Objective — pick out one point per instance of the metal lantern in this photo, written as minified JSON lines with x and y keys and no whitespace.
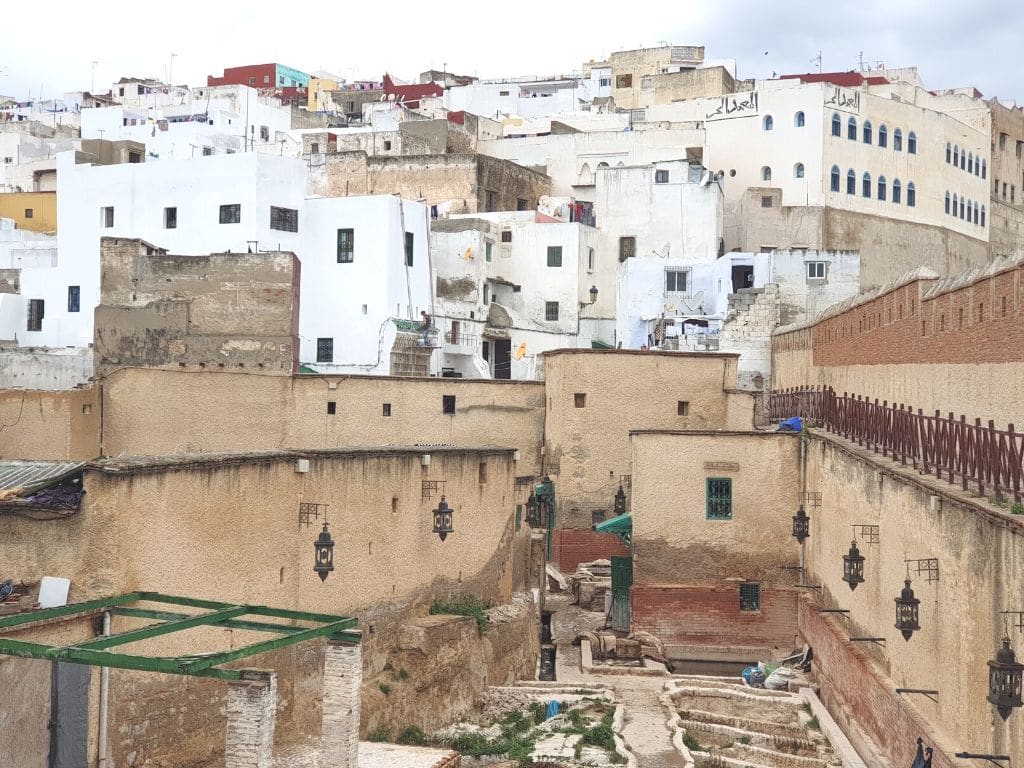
{"x":532,"y":512}
{"x":323,"y":554}
{"x":1004,"y":680}
{"x":593,"y":294}
{"x":906,"y":611}
{"x":853,"y":566}
{"x":620,"y":502}
{"x":801,"y":525}
{"x":443,"y":519}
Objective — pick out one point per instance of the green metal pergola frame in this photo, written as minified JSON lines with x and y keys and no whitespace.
{"x":216,"y":614}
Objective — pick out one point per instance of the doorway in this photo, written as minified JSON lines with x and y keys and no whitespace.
{"x":742,"y":276}
{"x":503,"y":358}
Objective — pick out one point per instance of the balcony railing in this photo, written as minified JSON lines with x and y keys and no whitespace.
{"x":466,"y":341}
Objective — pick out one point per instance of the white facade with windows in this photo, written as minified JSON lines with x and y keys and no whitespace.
{"x":237,"y":203}
{"x":521,"y":98}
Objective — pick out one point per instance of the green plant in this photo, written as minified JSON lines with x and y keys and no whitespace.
{"x":727,"y":745}
{"x":806,"y":707}
{"x":1017,"y":508}
{"x":402,"y":674}
{"x":577,"y":720}
{"x":516,"y":722}
{"x":381,"y":733}
{"x":691,"y":743}
{"x":744,"y":739}
{"x":412,"y":736}
{"x":813,"y":723}
{"x":384,"y":688}
{"x":539,"y":711}
{"x":464,"y":605}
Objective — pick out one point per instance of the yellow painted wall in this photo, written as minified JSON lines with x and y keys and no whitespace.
{"x":314,"y":102}
{"x":43,"y":205}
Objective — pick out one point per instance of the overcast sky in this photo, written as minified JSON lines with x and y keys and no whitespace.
{"x":52,"y":45}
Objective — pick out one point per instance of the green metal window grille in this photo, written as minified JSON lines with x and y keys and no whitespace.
{"x":719,"y":498}
{"x":554,"y":255}
{"x":519,"y":516}
{"x":750,"y":597}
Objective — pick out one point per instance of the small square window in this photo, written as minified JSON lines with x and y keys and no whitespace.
{"x":346,"y":246}
{"x":86,"y":409}
{"x":522,"y":205}
{"x":207,"y":151}
{"x":683,"y":408}
{"x":448,"y":404}
{"x":284,"y":219}
{"x":719,"y":498}
{"x":387,"y":409}
{"x":325,"y":350}
{"x":580,"y":399}
{"x":661,"y":177}
{"x":28,"y":213}
{"x":231,"y":214}
{"x":554,"y":255}
{"x":252,"y":81}
{"x":551,"y":310}
{"x":387,"y":145}
{"x":170,"y":218}
{"x":766,"y":201}
{"x":266,"y":79}
{"x":332,"y":407}
{"x":314,"y":148}
{"x":675,"y":280}
{"x":627,"y":248}
{"x":107,"y":216}
{"x":409,"y":243}
{"x":815,"y":270}
{"x":74,"y":298}
{"x":624,"y":81}
{"x":506,"y":236}
{"x":488,"y":247}
{"x":750,"y":597}
{"x":483,"y":472}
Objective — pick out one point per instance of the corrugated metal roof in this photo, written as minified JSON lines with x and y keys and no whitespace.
{"x":29,"y":476}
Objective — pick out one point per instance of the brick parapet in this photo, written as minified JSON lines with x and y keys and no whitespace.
{"x":251,"y":710}
{"x":343,"y":678}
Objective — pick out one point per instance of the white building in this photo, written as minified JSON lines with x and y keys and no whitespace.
{"x":520,"y":98}
{"x":364,"y":260}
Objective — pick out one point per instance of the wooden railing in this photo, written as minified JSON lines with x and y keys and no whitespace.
{"x":979,"y":457}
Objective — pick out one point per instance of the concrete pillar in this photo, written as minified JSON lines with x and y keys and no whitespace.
{"x":343,"y":677}
{"x":252,"y":708}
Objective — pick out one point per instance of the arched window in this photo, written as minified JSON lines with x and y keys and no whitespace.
{"x":976,"y":207}
{"x":835,"y":178}
{"x":911,"y":192}
{"x":984,"y":169}
{"x":911,"y":150}
{"x":897,"y":140}
{"x":949,"y":152}
{"x":956,"y":203}
{"x":963,"y":160}
{"x":956,"y":155}
{"x":851,"y":182}
{"x":881,"y":187}
{"x":837,"y":125}
{"x":798,"y":119}
{"x":883,"y":136}
{"x":896,"y":189}
{"x":963,"y":206}
{"x":867,"y":131}
{"x":768,"y":123}
{"x":947,"y":201}
{"x":586,"y":177}
{"x":798,"y":171}
{"x":977,"y":166}
{"x":983,"y":215}
{"x":970,"y":212}
{"x":970,"y":162}
{"x":766,"y":174}
{"x":865,"y":189}
{"x":851,"y":128}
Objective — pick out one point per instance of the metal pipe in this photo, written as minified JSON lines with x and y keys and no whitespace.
{"x":104,"y":698}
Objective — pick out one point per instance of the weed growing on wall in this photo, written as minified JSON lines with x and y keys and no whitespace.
{"x":464,"y":605}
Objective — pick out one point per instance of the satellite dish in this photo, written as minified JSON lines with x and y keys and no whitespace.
{"x":705,"y":179}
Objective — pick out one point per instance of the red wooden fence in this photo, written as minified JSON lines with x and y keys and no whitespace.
{"x":980,"y":458}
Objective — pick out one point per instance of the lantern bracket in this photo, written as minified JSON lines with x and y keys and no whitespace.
{"x":1018,"y":620}
{"x":994,"y":759}
{"x":811,"y":498}
{"x":811,"y":586}
{"x":834,"y":610}
{"x":869,"y":534}
{"x":310,"y":511}
{"x":430,"y":487}
{"x":923,"y":691}
{"x":799,"y":568}
{"x":875,"y":640}
{"x":928,"y":566}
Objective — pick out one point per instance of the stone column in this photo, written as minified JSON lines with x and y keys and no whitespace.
{"x":343,"y":677}
{"x":252,"y":707}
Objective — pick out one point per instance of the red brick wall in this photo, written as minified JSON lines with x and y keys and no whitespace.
{"x":572,"y":546}
{"x":980,"y":321}
{"x":704,"y":615}
{"x":853,"y":688}
{"x":241,"y":75}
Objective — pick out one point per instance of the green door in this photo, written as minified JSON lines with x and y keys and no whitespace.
{"x":622,"y":581}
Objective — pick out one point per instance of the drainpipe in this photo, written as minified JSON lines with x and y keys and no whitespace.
{"x":104,"y":697}
{"x":803,"y":489}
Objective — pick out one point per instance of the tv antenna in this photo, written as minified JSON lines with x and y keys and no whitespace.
{"x":817,"y":60}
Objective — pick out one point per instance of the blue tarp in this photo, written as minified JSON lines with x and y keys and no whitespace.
{"x":795,"y":424}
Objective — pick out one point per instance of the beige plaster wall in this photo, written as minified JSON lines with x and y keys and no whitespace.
{"x":675,"y":543}
{"x":587,"y":449}
{"x":981,"y":567}
{"x":155,"y":412}
{"x":56,"y":425}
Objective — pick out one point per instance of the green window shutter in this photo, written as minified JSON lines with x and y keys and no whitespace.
{"x":718,"y":498}
{"x":519,"y":516}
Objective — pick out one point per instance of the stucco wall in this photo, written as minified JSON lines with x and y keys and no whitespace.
{"x":43,"y":425}
{"x":981,"y":564}
{"x":152,"y":412}
{"x":588,"y":447}
{"x":14,"y":205}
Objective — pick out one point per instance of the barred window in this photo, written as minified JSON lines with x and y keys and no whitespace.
{"x":551,"y":311}
{"x":231,"y":214}
{"x":346,"y":245}
{"x":36,"y":311}
{"x":627,"y":248}
{"x":284,"y":219}
{"x":325,"y":350}
{"x":750,"y":597}
{"x":719,"y":498}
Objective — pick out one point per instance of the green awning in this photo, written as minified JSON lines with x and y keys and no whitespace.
{"x":620,"y":525}
{"x":595,"y":344}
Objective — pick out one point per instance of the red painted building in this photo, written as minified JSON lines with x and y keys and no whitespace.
{"x":842,"y":79}
{"x":261,"y":76}
{"x":410,"y":95}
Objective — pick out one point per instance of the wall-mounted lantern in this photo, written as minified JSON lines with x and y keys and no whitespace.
{"x":1004,"y":680}
{"x":323,"y":554}
{"x":801,"y":525}
{"x":593,"y":294}
{"x":907,"y":611}
{"x":532,"y":511}
{"x":619,"y":507}
{"x":443,"y":519}
{"x":853,"y":566}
